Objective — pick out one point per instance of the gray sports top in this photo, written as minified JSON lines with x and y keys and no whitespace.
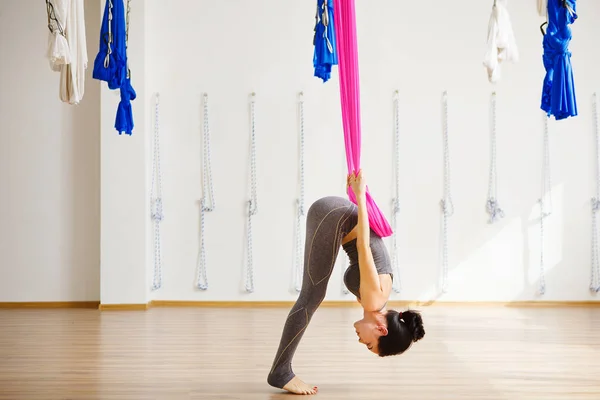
{"x":380,"y":256}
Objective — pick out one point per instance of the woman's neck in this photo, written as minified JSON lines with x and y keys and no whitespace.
{"x":375,"y":315}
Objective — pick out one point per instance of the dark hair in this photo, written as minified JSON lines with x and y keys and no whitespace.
{"x":404,"y":329}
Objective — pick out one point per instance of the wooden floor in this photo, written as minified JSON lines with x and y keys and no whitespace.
{"x":195,"y":353}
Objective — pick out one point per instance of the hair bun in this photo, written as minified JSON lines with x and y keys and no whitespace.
{"x":414,"y":323}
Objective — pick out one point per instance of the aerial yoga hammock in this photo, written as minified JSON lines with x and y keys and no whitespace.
{"x":501,"y":43}
{"x":330,"y":220}
{"x":325,"y":55}
{"x":558,"y":91}
{"x":67,"y":51}
{"x":111,"y":63}
{"x":345,"y":41}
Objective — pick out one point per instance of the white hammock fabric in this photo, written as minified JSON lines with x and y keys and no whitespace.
{"x":58,"y":49}
{"x":501,"y":43}
{"x":67,"y":48}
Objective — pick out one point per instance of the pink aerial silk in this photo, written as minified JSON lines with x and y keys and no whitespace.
{"x":347,"y":49}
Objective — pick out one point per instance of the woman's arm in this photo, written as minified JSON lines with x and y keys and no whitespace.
{"x":371,"y":292}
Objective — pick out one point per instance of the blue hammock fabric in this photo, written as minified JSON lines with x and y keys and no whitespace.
{"x":558,"y":92}
{"x":111,"y":64}
{"x":325,"y":55}
{"x":124,"y":119}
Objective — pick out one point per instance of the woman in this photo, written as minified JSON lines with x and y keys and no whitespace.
{"x":334,"y":222}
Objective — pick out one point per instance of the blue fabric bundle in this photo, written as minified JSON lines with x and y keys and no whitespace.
{"x":111,"y":64}
{"x":325,"y":55}
{"x":558,"y":93}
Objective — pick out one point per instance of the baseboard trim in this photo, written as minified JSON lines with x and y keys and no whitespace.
{"x":391,"y":304}
{"x":515,"y":304}
{"x":243,"y":304}
{"x":124,"y":307}
{"x":288,"y":304}
{"x":534,"y":303}
{"x":50,"y":304}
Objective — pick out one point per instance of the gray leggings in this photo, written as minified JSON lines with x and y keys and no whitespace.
{"x":328,"y":220}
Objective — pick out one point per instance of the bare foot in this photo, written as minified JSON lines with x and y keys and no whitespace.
{"x":297,"y":386}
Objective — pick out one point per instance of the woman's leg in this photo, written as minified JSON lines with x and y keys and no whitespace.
{"x":327,"y":222}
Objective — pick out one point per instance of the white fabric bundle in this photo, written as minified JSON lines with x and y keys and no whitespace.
{"x":58,"y":48}
{"x":67,"y":49}
{"x":501,"y":43}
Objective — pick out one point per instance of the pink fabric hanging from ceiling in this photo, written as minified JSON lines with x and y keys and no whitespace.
{"x":347,"y":49}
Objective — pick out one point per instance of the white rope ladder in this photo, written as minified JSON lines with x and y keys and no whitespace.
{"x":343,"y":267}
{"x":492,"y":206}
{"x":156,"y":200}
{"x":208,"y":196}
{"x":447,"y":207}
{"x":396,"y":201}
{"x":252,"y":203}
{"x":300,"y":212}
{"x":595,"y":267}
{"x":545,"y":210}
{"x":343,"y":259}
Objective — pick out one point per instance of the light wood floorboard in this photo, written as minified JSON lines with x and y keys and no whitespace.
{"x":204,"y":353}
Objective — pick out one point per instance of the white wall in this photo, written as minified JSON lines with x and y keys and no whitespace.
{"x":50,"y":163}
{"x":125,"y":212}
{"x":231,"y":48}
{"x":49,"y":167}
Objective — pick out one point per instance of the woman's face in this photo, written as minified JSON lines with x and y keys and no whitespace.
{"x":369,"y":331}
